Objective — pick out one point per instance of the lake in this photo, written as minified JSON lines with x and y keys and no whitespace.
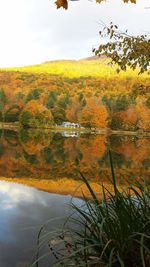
{"x":32,"y":154}
{"x":23,"y":210}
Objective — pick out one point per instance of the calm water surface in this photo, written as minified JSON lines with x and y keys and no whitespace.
{"x":22,"y":212}
{"x":47,"y":155}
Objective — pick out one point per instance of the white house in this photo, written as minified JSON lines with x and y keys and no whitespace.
{"x":67,"y":124}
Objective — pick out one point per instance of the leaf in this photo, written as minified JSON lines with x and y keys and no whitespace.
{"x":62,"y":3}
{"x":99,"y":1}
{"x":132,"y":1}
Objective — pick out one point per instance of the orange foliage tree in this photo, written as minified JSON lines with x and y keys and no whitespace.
{"x":144,"y":117}
{"x":94,"y":114}
{"x":129,"y":118}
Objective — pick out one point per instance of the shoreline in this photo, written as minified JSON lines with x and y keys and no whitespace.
{"x":16,"y":127}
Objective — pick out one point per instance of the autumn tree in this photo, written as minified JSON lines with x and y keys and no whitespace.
{"x":125,"y":50}
{"x":125,"y":119}
{"x":144,"y":116}
{"x":36,"y":115}
{"x":73,"y":109}
{"x":94,"y":114}
{"x":58,"y":114}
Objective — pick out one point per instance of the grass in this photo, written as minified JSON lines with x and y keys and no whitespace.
{"x":111,"y":232}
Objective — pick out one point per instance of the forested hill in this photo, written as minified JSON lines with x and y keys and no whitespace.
{"x":87,"y":91}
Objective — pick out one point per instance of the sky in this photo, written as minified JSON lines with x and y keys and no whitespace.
{"x":34,"y":31}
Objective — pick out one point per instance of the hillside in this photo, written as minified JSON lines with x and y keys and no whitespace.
{"x":77,"y":68}
{"x":87,"y":91}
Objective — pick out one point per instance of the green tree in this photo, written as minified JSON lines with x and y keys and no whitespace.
{"x":59,"y":115}
{"x":115,"y":123}
{"x":34,"y":94}
{"x":25,"y":117}
{"x":12,"y":114}
{"x":64,"y":100}
{"x":51,"y":100}
{"x":121,"y":103}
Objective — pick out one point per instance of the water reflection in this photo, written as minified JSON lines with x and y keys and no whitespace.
{"x":23,"y":210}
{"x":48,"y":155}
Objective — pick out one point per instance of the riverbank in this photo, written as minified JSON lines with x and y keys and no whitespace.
{"x":16,"y":127}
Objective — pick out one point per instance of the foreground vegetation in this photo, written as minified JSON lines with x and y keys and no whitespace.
{"x":114,"y":231}
{"x":89,"y":92}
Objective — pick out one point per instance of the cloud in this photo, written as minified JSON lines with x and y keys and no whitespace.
{"x":33,"y":31}
{"x":11,"y":194}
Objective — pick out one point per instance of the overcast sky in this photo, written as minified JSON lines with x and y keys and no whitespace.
{"x":34,"y":31}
